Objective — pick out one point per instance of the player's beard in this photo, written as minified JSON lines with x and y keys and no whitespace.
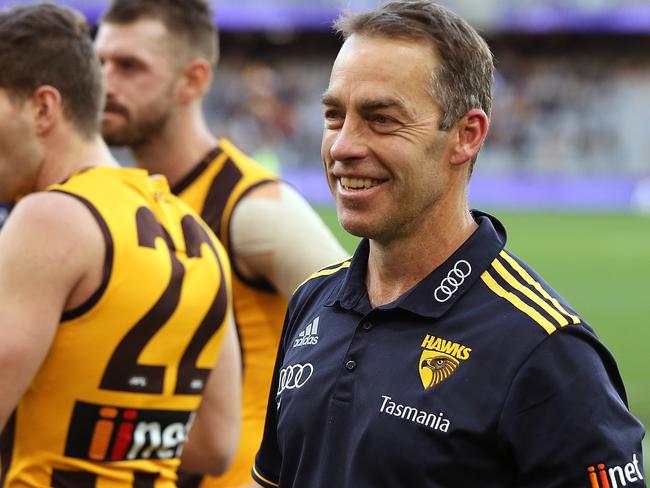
{"x":140,"y":129}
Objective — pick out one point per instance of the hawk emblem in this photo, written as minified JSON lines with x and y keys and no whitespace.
{"x":436,"y":367}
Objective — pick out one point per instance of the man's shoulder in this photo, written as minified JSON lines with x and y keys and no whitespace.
{"x":105,"y":182}
{"x":512,"y":310}
{"x":53,"y":229}
{"x":51,"y":212}
{"x":245,"y":163}
{"x":324,"y":280}
{"x":112,"y":189}
{"x":526,"y":304}
{"x":316,"y":292}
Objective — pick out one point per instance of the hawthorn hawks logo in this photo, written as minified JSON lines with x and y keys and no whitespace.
{"x":440,"y":359}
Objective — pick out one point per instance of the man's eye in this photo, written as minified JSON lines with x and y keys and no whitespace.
{"x":332,"y":114}
{"x":382,"y":119}
{"x":127,"y":64}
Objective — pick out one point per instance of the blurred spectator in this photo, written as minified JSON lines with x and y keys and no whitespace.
{"x":563,"y":104}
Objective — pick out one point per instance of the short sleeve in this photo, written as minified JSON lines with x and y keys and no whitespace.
{"x":566,"y":417}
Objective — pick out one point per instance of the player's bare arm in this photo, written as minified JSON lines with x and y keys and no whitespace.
{"x":51,"y":258}
{"x":277,"y":236}
{"x":213,"y":438}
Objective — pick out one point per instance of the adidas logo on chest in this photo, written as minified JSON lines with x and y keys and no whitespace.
{"x":309,"y":336}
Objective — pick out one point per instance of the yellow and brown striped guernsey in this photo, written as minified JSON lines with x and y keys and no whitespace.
{"x":113,"y":400}
{"x":508,"y":279}
{"x":213,"y":189}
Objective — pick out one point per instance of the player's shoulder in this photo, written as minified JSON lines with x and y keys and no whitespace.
{"x":245,"y":163}
{"x":104,"y":173}
{"x":57,"y":223}
{"x":108,"y":186}
{"x":52,"y":210}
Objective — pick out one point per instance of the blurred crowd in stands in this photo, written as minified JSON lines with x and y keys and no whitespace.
{"x":562,"y":104}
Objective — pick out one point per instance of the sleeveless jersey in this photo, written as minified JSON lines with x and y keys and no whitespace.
{"x":117,"y":392}
{"x":213,"y":189}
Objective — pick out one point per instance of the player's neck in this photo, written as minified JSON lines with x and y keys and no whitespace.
{"x":176,"y":149}
{"x":65,"y":156}
{"x":397,"y":266}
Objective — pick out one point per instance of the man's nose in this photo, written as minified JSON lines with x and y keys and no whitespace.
{"x":350,"y":141}
{"x":109,"y":79}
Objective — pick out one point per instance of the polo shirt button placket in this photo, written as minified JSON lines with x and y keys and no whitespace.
{"x":350,"y":365}
{"x":367,"y":326}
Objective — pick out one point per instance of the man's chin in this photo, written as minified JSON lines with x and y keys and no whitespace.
{"x":356,"y":228}
{"x":114,"y":141}
{"x":113,"y":129}
{"x":115,"y":138}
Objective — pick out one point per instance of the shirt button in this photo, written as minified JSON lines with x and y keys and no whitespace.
{"x":350,"y":365}
{"x":367,"y":326}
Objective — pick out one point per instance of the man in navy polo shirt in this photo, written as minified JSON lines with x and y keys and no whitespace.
{"x":434,"y":357}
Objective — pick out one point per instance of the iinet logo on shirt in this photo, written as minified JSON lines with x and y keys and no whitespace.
{"x":601,"y":476}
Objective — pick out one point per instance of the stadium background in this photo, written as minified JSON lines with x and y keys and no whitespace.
{"x":566,"y":164}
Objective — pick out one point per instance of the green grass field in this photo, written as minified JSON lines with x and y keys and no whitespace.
{"x":600,"y":263}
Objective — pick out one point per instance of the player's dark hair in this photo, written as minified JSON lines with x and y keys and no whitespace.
{"x":189,"y":20}
{"x":463,"y":80}
{"x":42,"y":44}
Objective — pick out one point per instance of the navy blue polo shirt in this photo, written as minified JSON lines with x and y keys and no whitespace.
{"x":479,"y":376}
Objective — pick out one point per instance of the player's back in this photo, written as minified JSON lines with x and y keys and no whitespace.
{"x":214,"y":189}
{"x":112,"y":403}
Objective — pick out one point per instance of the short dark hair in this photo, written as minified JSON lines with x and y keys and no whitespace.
{"x":463,"y":80}
{"x":43,"y":44}
{"x":190,"y":19}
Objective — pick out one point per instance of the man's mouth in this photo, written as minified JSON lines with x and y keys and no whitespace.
{"x":358,"y":183}
{"x":114,"y":108}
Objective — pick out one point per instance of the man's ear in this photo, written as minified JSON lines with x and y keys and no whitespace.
{"x":47,"y":108}
{"x":472,"y":131}
{"x":195,"y":81}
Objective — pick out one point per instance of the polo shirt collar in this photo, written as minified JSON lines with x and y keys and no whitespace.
{"x":443,"y":287}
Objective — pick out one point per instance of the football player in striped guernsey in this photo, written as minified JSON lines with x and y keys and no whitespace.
{"x":158,"y":57}
{"x":115,"y":298}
